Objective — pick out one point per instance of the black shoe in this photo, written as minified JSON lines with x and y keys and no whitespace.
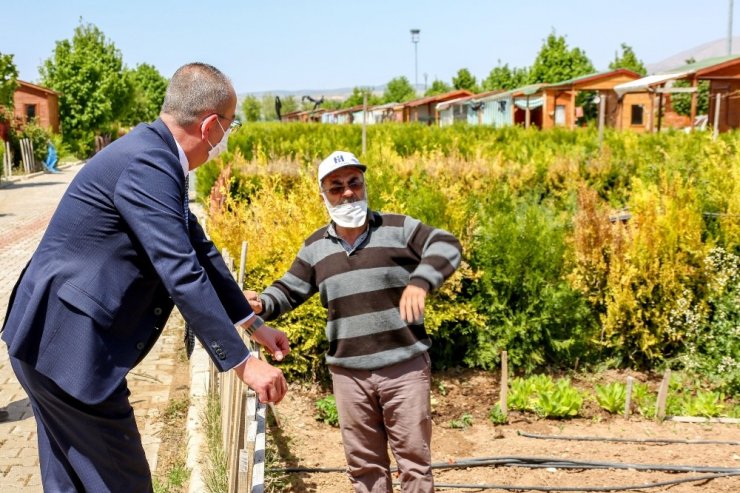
{"x":3,"y":416}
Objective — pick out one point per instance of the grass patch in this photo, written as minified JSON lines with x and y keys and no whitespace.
{"x":215,"y":473}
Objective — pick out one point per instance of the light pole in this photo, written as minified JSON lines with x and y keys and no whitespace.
{"x":415,"y":40}
{"x":729,"y":31}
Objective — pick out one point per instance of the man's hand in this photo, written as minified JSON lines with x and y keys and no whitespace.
{"x":412,"y":303}
{"x":274,"y":341}
{"x":263,"y":378}
{"x":254,"y":301}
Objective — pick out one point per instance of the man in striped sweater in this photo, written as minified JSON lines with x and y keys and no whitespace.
{"x":373,"y":272}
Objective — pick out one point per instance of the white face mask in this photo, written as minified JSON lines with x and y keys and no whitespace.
{"x":221,"y":146}
{"x":349,"y":214}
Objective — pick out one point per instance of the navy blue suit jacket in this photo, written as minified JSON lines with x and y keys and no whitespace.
{"x":115,"y":258}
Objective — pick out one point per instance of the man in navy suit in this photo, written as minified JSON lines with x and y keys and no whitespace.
{"x":120,"y":251}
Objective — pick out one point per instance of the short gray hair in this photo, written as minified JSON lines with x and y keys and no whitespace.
{"x":195,"y":89}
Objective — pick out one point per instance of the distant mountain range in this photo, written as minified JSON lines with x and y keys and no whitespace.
{"x":339,"y":94}
{"x":707,"y":50}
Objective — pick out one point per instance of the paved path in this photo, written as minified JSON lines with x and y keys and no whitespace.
{"x":25,"y":209}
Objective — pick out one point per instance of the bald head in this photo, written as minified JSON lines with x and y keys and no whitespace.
{"x":195,"y":90}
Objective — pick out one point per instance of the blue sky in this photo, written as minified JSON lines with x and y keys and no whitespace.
{"x":325,"y":44}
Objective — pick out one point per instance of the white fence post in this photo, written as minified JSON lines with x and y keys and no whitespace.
{"x":8,"y":161}
{"x":29,"y":163}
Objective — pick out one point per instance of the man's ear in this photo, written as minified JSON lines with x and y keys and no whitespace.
{"x":206,"y":125}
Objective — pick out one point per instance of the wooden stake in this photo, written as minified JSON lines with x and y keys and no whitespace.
{"x":504,"y":383}
{"x":662,"y":396}
{"x":242,"y":265}
{"x":715,"y":130}
{"x":628,"y":398}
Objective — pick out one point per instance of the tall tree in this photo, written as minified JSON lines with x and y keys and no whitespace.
{"x":398,"y":90}
{"x":251,"y":109}
{"x":8,"y":80}
{"x":465,"y":80}
{"x":503,"y":77}
{"x":290,"y":104}
{"x":88,"y":74}
{"x":438,"y":87}
{"x":556,"y":62}
{"x":357,"y":96}
{"x":147,"y":88}
{"x":267,"y":107}
{"x":628,"y":60}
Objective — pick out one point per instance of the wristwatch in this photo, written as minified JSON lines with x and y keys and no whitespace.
{"x":256,"y":324}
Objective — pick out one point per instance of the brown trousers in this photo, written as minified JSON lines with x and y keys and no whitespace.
{"x":388,"y":406}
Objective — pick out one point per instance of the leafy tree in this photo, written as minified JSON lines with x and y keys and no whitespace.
{"x":357,"y":96}
{"x":503,"y":77}
{"x":682,"y":102}
{"x":8,"y":80}
{"x":331,"y":104}
{"x":251,"y":109}
{"x":556,"y":62}
{"x":267,"y":107}
{"x":88,"y":74}
{"x":147,"y":88}
{"x":290,"y":104}
{"x":628,"y":60}
{"x":465,"y":80}
{"x":438,"y":87}
{"x":398,"y":90}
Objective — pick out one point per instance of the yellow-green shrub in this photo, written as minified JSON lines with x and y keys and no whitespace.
{"x":543,"y":260}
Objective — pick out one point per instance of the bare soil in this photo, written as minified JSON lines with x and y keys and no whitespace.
{"x":302,"y":441}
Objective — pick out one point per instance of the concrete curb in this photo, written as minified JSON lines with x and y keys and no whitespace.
{"x":4,"y":182}
{"x":195,"y":426}
{"x":199,"y":375}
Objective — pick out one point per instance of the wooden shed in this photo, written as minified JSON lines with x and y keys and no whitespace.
{"x":453,"y":111}
{"x":560,"y":98}
{"x":495,"y":109}
{"x":470,"y":109}
{"x":653,"y":93}
{"x":32,"y":102}
{"x":425,"y":109}
{"x":528,"y":105}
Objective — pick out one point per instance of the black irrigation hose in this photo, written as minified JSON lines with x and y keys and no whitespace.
{"x":536,"y":462}
{"x":625,"y":440}
{"x":583,"y":488}
{"x":541,"y":462}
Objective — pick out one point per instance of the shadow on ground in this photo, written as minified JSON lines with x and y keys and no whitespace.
{"x":19,"y":410}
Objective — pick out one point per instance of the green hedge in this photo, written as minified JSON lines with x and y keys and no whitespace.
{"x":550,"y":275}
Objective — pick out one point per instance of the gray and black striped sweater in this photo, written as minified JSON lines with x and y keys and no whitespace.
{"x":361,"y":290}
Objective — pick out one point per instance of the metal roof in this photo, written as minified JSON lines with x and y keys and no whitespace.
{"x":646,"y":83}
{"x":595,"y":76}
{"x":702,"y":64}
{"x":437,"y":98}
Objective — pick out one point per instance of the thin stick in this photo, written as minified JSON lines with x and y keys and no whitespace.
{"x":504,"y":383}
{"x":628,"y":397}
{"x":663,"y":396}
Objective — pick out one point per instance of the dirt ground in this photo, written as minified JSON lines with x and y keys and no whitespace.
{"x":301,"y":440}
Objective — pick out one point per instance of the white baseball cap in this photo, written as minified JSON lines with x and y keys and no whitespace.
{"x":337,"y":160}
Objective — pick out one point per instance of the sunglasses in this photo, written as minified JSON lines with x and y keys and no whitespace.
{"x":355,"y":185}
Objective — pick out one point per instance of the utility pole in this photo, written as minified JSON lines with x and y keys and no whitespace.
{"x":415,"y":40}
{"x":729,"y":31}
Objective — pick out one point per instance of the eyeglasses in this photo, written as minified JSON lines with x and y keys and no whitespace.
{"x":234,"y":123}
{"x":355,"y":185}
